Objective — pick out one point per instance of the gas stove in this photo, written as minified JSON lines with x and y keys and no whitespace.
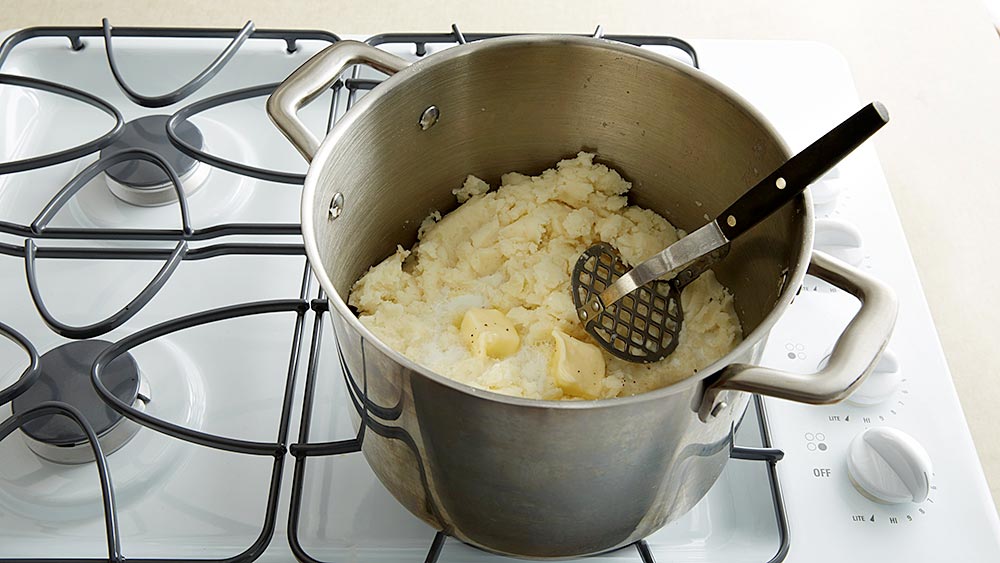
{"x":154,"y":280}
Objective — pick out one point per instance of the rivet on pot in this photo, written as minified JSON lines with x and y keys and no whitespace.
{"x":719,"y":408}
{"x":429,"y":117}
{"x":336,"y":205}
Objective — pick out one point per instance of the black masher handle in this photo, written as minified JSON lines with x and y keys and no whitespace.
{"x":785,"y":183}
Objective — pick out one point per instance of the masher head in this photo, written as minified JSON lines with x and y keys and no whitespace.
{"x":644,"y":326}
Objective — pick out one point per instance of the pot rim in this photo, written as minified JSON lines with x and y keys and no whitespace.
{"x":361,"y":108}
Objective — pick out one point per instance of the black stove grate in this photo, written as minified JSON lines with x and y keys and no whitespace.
{"x":39,"y":229}
{"x":186,"y":113}
{"x":68,"y":154}
{"x":75,"y":35}
{"x":276,"y":449}
{"x":308,"y":302}
{"x":421,"y":40}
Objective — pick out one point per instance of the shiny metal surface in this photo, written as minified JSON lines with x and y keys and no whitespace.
{"x":636,"y":314}
{"x":642,"y":327}
{"x":668,"y":262}
{"x":429,"y":117}
{"x":82,"y":452}
{"x":854,"y":356}
{"x":336,"y":205}
{"x":519,"y":476}
{"x":312,"y":79}
{"x":163,"y":194}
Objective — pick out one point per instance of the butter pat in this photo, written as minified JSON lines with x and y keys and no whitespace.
{"x":577,"y":367}
{"x":488,"y":332}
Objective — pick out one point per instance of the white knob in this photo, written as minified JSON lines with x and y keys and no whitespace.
{"x":840,"y":239}
{"x":824,"y":195}
{"x":881,"y":383}
{"x":889,"y":466}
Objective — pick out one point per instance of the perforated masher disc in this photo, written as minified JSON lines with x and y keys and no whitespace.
{"x":643,"y":326}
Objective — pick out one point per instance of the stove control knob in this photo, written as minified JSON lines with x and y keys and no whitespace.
{"x":824,"y":195}
{"x":881,"y":383}
{"x":889,"y":466}
{"x":839,"y":239}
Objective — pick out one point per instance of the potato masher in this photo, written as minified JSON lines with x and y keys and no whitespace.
{"x":635,"y":314}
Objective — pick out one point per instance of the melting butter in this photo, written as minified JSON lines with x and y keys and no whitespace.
{"x":577,"y":366}
{"x":488,"y":332}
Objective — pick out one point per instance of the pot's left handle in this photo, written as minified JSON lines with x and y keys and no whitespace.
{"x":854,"y":355}
{"x":313,"y":78}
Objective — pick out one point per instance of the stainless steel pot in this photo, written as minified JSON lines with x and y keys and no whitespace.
{"x":539,"y":478}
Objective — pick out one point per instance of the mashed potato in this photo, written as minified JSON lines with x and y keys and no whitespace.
{"x":503,"y":260}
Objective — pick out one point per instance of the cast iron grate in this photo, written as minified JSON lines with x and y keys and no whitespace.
{"x":68,"y":247}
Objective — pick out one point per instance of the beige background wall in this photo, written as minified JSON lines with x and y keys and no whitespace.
{"x":936,"y":64}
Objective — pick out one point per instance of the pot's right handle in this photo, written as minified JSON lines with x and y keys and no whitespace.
{"x":852,"y":359}
{"x":313,"y":78}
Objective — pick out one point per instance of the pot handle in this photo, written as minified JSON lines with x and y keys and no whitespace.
{"x":313,"y":78}
{"x":852,"y":359}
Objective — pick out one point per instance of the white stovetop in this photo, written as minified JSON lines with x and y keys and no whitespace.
{"x":961,"y":509}
{"x":936,"y":64}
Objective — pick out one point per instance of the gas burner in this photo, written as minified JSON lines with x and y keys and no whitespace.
{"x":65,"y":376}
{"x":143,"y":183}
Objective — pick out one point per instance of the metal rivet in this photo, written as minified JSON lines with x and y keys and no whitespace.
{"x":429,"y":117}
{"x":780,"y":182}
{"x":336,"y":205}
{"x":731,"y":221}
{"x":595,"y":306}
{"x":584,"y":315}
{"x":718,"y":408}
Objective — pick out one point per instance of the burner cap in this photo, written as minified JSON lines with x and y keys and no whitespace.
{"x":150,"y":132}
{"x":65,"y":376}
{"x":144,"y":183}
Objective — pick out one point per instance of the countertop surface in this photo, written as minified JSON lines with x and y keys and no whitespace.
{"x":935,"y":64}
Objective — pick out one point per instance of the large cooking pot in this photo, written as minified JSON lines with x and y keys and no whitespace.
{"x":537,"y":478}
